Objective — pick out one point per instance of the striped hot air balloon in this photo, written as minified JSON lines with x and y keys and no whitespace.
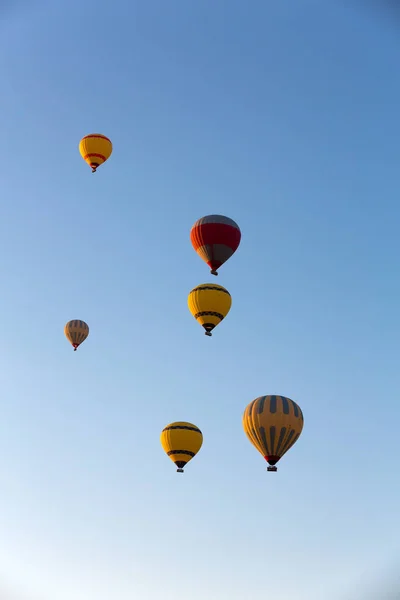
{"x":209,"y":304}
{"x":95,"y":149}
{"x":215,"y":238}
{"x":76,"y":332}
{"x":181,"y":441}
{"x":273,"y":424}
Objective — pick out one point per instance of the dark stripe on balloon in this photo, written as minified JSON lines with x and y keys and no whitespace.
{"x":187,"y":452}
{"x":280,"y":440}
{"x":285,"y":405}
{"x":96,"y":135}
{"x":272,"y":432}
{"x":289,"y":443}
{"x":208,"y":313}
{"x":210,"y":287}
{"x":272,"y":404}
{"x":264,"y":439}
{"x":295,"y":409}
{"x":181,"y":427}
{"x":250,"y":407}
{"x":261,"y":403}
{"x":91,"y":154}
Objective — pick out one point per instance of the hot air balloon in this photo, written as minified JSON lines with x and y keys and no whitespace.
{"x":209,"y":304}
{"x":76,"y":332}
{"x":215,"y":238}
{"x":95,"y":149}
{"x":273,"y":424}
{"x":181,"y":442}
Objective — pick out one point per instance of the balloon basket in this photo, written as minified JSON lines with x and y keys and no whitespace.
{"x":179,"y":471}
{"x":272,"y":469}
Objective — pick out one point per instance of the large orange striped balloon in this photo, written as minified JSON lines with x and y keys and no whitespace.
{"x":95,"y":149}
{"x":215,"y":238}
{"x":273,"y":424}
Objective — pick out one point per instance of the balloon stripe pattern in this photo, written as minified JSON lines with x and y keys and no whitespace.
{"x":76,"y":332}
{"x":181,"y":441}
{"x":95,"y":149}
{"x":215,"y":238}
{"x":209,"y":304}
{"x":273,"y":424}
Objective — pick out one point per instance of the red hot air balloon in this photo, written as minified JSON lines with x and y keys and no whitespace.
{"x":215,"y":238}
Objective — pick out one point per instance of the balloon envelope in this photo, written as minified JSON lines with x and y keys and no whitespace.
{"x":215,"y":238}
{"x":209,"y":304}
{"x":273,"y":424}
{"x":95,"y":149}
{"x":181,"y":441}
{"x":76,"y":332}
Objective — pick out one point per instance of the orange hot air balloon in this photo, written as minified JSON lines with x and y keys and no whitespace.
{"x":273,"y":424}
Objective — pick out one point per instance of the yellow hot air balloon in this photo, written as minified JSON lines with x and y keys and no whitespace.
{"x":209,"y":304}
{"x":76,"y":332}
{"x":181,"y":442}
{"x":95,"y":149}
{"x":273,"y":424}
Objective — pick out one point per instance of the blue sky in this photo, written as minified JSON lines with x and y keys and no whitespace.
{"x":283,"y":116}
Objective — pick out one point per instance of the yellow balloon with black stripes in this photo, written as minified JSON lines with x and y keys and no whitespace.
{"x":95,"y":149}
{"x":76,"y":332}
{"x":181,"y":441}
{"x":209,"y":304}
{"x":273,"y":424}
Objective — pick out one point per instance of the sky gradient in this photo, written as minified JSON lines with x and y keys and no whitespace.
{"x":283,"y":116}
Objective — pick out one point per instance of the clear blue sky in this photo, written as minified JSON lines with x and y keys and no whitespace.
{"x":285,"y":117}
